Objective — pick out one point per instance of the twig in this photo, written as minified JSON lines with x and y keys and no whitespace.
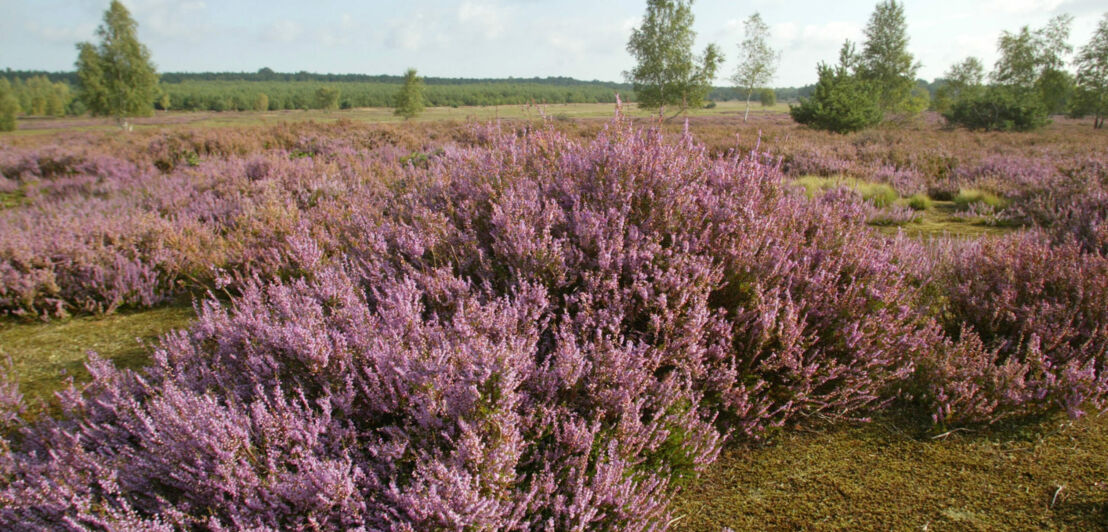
{"x":674,"y":520}
{"x":949,"y":432}
{"x":1055,"y":498}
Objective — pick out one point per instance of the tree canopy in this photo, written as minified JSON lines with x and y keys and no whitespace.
{"x":409,"y":99}
{"x":885,"y":61}
{"x":666,"y":72}
{"x":758,"y":60}
{"x":1092,"y":74}
{"x":116,"y":77}
{"x":962,"y":80}
{"x":1025,"y":54}
{"x":9,"y":106}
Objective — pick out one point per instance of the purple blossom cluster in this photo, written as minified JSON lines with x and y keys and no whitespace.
{"x":518,"y":330}
{"x":1034,"y":327}
{"x":941,"y":163}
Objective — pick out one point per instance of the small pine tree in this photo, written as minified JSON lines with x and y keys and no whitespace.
{"x":409,"y":100}
{"x":841,"y":102}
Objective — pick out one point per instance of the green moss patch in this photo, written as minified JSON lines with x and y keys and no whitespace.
{"x":946,"y":219}
{"x":887,"y":476}
{"x":44,"y":354}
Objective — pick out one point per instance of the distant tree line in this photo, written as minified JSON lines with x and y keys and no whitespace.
{"x":267,"y":74}
{"x":39,"y":96}
{"x":245,"y":91}
{"x":195,"y":95}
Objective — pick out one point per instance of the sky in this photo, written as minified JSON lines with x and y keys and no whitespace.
{"x":583,"y":39}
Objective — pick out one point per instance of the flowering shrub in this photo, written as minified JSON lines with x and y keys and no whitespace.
{"x":519,"y":330}
{"x":534,"y":334}
{"x":1034,"y":320}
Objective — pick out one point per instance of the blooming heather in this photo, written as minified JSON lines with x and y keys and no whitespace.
{"x":514,"y":330}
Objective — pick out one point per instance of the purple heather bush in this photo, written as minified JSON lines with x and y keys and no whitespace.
{"x":516,"y":331}
{"x":1033,"y":320}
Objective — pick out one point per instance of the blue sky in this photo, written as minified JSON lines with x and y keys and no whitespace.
{"x":585,"y":39}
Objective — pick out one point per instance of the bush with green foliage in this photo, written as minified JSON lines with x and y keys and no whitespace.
{"x":768,"y":97}
{"x":841,"y":103}
{"x":999,"y":109}
{"x":9,"y":106}
{"x":409,"y":99}
{"x":116,"y":77}
{"x":261,"y":102}
{"x":327,"y":98}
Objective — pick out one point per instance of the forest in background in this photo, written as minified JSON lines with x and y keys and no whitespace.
{"x":44,"y":93}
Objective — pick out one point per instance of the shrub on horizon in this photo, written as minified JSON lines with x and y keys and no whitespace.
{"x":998,"y":109}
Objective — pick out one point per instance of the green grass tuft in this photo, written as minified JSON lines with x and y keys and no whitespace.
{"x":919,"y":202}
{"x":11,"y":199}
{"x":970,"y":196}
{"x":878,"y":194}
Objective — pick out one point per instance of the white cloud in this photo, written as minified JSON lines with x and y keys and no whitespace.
{"x":344,"y":33}
{"x":284,"y":31}
{"x":833,"y":32}
{"x":784,"y":32}
{"x":1021,"y":7}
{"x":63,"y":35}
{"x":168,"y":19}
{"x":486,"y":19}
{"x":586,"y":39}
{"x":565,"y":43}
{"x":408,"y":33}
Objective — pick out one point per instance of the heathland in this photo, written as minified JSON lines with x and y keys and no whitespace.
{"x":552,"y":317}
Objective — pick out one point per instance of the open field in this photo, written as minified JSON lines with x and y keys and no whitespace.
{"x":584,"y":302}
{"x":163,"y":119}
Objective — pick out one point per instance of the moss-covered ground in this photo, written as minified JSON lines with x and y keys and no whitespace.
{"x":898,"y":474}
{"x":946,"y":219}
{"x":43,"y":355}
